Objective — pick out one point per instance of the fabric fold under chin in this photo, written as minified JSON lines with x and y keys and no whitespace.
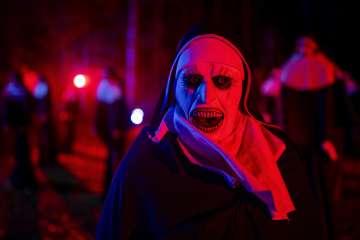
{"x":254,"y":169}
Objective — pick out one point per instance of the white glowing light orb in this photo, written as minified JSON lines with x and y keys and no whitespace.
{"x":137,"y":116}
{"x":80,"y":81}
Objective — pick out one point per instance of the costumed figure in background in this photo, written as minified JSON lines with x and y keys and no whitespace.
{"x":111,"y":120}
{"x":18,"y":106}
{"x":45,"y":122}
{"x":307,"y":85}
{"x":207,"y":168}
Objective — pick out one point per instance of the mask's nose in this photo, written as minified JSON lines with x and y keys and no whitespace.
{"x":206,"y":92}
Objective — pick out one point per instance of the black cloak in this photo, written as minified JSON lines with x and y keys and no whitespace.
{"x":157,"y":193}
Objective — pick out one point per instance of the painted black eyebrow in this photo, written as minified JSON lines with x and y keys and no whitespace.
{"x":223,"y":70}
{"x":229,"y":72}
{"x":188,"y":70}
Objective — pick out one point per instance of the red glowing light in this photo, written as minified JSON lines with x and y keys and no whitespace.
{"x":80,"y":81}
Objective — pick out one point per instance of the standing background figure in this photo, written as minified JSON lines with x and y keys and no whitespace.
{"x":309,"y":82}
{"x":111,"y":120}
{"x":45,"y":122}
{"x":18,"y":106}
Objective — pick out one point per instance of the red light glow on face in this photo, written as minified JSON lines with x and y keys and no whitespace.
{"x":80,"y":81}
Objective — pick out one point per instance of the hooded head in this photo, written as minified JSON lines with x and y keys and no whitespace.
{"x":110,"y":74}
{"x":15,"y":87}
{"x":16,"y":77}
{"x":209,"y":84}
{"x":306,"y":46}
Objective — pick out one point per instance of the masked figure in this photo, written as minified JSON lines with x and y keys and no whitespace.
{"x":209,"y":169}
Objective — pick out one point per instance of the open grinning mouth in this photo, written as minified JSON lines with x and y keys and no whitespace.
{"x":207,"y":119}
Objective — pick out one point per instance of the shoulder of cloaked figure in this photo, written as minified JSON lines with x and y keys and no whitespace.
{"x":320,"y":56}
{"x":142,"y":144}
{"x":278,"y":132}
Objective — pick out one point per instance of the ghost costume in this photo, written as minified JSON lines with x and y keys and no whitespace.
{"x":208,"y":169}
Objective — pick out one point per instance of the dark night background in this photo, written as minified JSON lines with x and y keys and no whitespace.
{"x":138,"y":38}
{"x":60,"y":38}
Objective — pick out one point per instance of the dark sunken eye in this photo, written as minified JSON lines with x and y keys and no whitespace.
{"x":222,"y":82}
{"x":192,"y":81}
